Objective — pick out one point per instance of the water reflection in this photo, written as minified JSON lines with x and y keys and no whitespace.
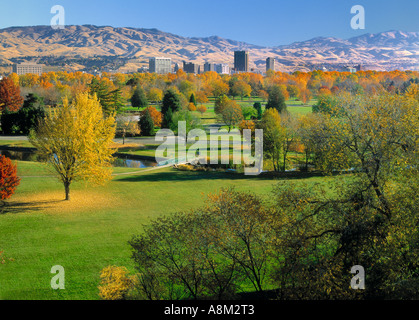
{"x":119,"y":162}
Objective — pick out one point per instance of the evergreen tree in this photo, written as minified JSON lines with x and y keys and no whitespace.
{"x":171,"y":101}
{"x":192,"y":99}
{"x":258,"y":107}
{"x":147,"y":124}
{"x":168,"y":119}
{"x":112,"y":102}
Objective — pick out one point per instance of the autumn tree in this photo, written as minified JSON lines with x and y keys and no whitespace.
{"x":10,"y":98}
{"x":221,"y":102}
{"x":155,"y":95}
{"x":371,"y":217}
{"x":8,"y":178}
{"x":241,"y":88}
{"x":201,"y":97}
{"x":231,"y":115}
{"x":304,"y":96}
{"x":202,"y":109}
{"x":115,"y":283}
{"x":75,"y":139}
{"x":191,"y":106}
{"x":156,"y":115}
{"x":126,"y":126}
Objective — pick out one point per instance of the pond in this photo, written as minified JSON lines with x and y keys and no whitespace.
{"x":123,"y":161}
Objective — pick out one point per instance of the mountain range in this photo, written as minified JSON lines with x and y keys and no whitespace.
{"x":77,"y":46}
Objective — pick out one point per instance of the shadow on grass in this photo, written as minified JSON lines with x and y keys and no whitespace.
{"x":15,"y":207}
{"x":177,"y":175}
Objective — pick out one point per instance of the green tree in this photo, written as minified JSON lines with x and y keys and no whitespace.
{"x":258,"y":108}
{"x":26,"y":118}
{"x":171,"y":101}
{"x":276,"y":99}
{"x":139,"y":99}
{"x":273,"y":137}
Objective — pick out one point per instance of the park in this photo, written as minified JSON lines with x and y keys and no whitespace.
{"x":334,"y":180}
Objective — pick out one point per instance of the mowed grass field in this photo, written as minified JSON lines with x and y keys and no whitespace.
{"x":40,"y":230}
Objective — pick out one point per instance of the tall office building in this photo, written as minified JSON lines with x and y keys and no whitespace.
{"x":209,"y":67}
{"x":160,"y":65}
{"x":241,"y":61}
{"x":222,"y":68}
{"x":270,"y":64}
{"x":23,"y":68}
{"x":190,"y":67}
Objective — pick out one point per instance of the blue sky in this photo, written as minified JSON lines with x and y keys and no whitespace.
{"x":260,"y":22}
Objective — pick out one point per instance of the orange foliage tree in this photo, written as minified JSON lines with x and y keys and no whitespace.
{"x":10,"y":98}
{"x":8,"y":178}
{"x":155,"y":115}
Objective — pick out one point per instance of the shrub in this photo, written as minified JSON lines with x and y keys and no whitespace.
{"x":115,"y":283}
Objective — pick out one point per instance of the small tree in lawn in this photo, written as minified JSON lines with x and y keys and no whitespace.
{"x":8,"y":178}
{"x":139,"y":99}
{"x":202,"y":109}
{"x":75,"y":139}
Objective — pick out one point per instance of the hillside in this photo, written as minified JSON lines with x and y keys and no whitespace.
{"x":77,"y":46}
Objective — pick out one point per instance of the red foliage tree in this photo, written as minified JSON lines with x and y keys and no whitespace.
{"x":10,"y":95}
{"x":8,"y":178}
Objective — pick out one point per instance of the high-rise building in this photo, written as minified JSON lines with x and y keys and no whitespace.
{"x":270,"y":64}
{"x":160,"y":65}
{"x":241,"y":61}
{"x":222,"y":68}
{"x":209,"y":66}
{"x":190,"y":67}
{"x":24,"y":68}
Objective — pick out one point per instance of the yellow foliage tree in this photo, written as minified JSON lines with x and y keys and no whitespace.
{"x":115,"y":283}
{"x":75,"y":139}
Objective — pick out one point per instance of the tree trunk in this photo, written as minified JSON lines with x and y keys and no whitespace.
{"x":67,"y":190}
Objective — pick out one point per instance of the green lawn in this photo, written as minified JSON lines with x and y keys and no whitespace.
{"x":40,"y":230}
